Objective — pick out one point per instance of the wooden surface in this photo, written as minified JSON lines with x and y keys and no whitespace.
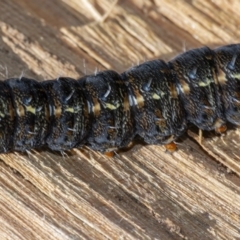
{"x":142,"y":193}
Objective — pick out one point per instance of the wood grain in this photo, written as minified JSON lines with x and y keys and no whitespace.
{"x":142,"y":193}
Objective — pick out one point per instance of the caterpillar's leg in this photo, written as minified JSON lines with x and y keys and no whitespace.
{"x":170,"y":147}
{"x":220,"y":126}
{"x":109,"y":154}
{"x":221,"y":129}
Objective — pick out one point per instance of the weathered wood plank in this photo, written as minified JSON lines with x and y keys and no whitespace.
{"x":142,"y":193}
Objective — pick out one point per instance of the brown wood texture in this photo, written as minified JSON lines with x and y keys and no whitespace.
{"x":142,"y":193}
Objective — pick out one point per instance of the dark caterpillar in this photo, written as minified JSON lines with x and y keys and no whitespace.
{"x":155,"y":100}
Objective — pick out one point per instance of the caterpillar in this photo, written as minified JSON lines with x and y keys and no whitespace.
{"x":155,"y":100}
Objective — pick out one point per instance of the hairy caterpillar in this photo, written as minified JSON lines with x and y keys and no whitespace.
{"x":154,"y":100}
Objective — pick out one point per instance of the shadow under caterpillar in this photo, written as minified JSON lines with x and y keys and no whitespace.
{"x":154,"y":100}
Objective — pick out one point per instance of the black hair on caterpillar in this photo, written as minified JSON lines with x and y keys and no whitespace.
{"x":154,"y":100}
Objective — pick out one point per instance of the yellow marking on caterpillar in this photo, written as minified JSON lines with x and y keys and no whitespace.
{"x":158,"y":96}
{"x":111,"y":106}
{"x":236,"y":75}
{"x":31,"y":109}
{"x":70,"y":109}
{"x":206,"y":83}
{"x":155,"y":96}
